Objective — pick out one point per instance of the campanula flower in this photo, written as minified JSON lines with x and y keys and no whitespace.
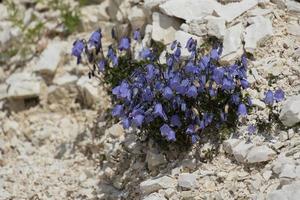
{"x":235,"y":99}
{"x":95,"y":39}
{"x":269,"y":98}
{"x":167,"y":132}
{"x":138,"y":120}
{"x":173,"y":45}
{"x":101,"y":65}
{"x":117,"y":111}
{"x":214,"y":54}
{"x":158,"y":111}
{"x":124,"y":44}
{"x":242,"y":110}
{"x":146,"y":53}
{"x":175,"y":121}
{"x":251,"y":129}
{"x":279,"y":95}
{"x":78,"y":47}
{"x":137,"y":34}
{"x":192,"y":92}
{"x":167,"y":93}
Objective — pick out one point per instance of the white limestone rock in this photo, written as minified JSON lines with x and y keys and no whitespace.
{"x":65,"y":79}
{"x":232,"y":44}
{"x":23,"y":85}
{"x":154,"y":159}
{"x":50,"y":58}
{"x":189,"y":9}
{"x":92,"y":14}
{"x":164,"y":28}
{"x":233,"y":10}
{"x":260,"y":154}
{"x":293,"y":6}
{"x":294,"y":29}
{"x":241,"y":151}
{"x":197,"y":27}
{"x":290,"y":113}
{"x":257,"y":33}
{"x":216,"y":26}
{"x":187,"y":180}
{"x":149,"y":4}
{"x":229,"y":144}
{"x":3,"y":91}
{"x":156,"y":184}
{"x":288,"y":171}
{"x":88,"y":90}
{"x":137,"y":17}
{"x":287,"y":192}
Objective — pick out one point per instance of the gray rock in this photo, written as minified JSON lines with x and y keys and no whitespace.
{"x":197,"y":27}
{"x":258,"y":103}
{"x":149,"y":4}
{"x":287,"y":192}
{"x":65,"y":79}
{"x":280,"y":3}
{"x":189,"y":9}
{"x":277,"y":195}
{"x":164,"y":28}
{"x":116,"y":130}
{"x":293,"y":29}
{"x":231,"y":11}
{"x":156,"y":184}
{"x":23,"y":85}
{"x":241,"y":150}
{"x":88,"y":90}
{"x":293,"y":6}
{"x":50,"y":58}
{"x":154,"y":159}
{"x":257,"y":33}
{"x":187,"y":180}
{"x":5,"y":32}
{"x":232,"y":44}
{"x":260,"y":154}
{"x":92,"y":14}
{"x":137,"y":17}
{"x":290,"y":113}
{"x":229,"y":144}
{"x":155,"y":196}
{"x":288,"y":171}
{"x":278,"y":164}
{"x":216,"y":26}
{"x":3,"y":91}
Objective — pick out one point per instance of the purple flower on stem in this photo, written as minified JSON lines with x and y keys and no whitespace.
{"x":124,"y":44}
{"x":126,"y":123}
{"x":138,"y":120}
{"x":242,"y":110}
{"x":251,"y":129}
{"x":95,"y":39}
{"x":269,"y":98}
{"x":101,"y":65}
{"x":167,"y":132}
{"x":192,"y":92}
{"x":214,"y":54}
{"x":175,"y":121}
{"x":145,"y":53}
{"x":173,"y":45}
{"x":158,"y":111}
{"x":279,"y":95}
{"x":244,"y":83}
{"x":78,"y":47}
{"x":167,"y":93}
{"x":117,"y":111}
{"x":137,"y":34}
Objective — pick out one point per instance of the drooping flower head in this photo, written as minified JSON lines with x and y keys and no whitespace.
{"x":242,"y":110}
{"x":78,"y":47}
{"x":167,"y":132}
{"x":95,"y":39}
{"x":124,"y":44}
{"x":137,"y":34}
{"x":279,"y":95}
{"x":269,"y":98}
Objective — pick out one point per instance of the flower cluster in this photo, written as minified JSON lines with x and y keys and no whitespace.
{"x":183,"y":96}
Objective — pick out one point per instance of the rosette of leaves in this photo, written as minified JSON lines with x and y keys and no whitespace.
{"x":179,"y":101}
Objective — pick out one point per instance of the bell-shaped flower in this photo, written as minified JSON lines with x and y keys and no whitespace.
{"x":269,"y":98}
{"x":167,"y":132}
{"x":175,"y":121}
{"x":242,"y":110}
{"x":279,"y":95}
{"x":78,"y":47}
{"x":158,"y":111}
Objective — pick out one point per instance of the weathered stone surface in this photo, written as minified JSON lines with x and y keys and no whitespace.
{"x":65,"y":79}
{"x":50,"y":58}
{"x":189,"y":9}
{"x":164,"y":28}
{"x":293,"y":6}
{"x":137,"y":17}
{"x":231,"y":11}
{"x":88,"y":90}
{"x":154,"y":159}
{"x":232,"y":44}
{"x":92,"y":14}
{"x":197,"y":27}
{"x":156,"y":184}
{"x":241,"y":150}
{"x":288,"y":171}
{"x":257,"y":33}
{"x":229,"y":144}
{"x":293,"y":29}
{"x":155,"y":196}
{"x":290,"y":113}
{"x":187,"y":180}
{"x":116,"y":130}
{"x":216,"y":26}
{"x":149,"y":4}
{"x":3,"y":91}
{"x":23,"y":85}
{"x":260,"y":154}
{"x":287,"y":192}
